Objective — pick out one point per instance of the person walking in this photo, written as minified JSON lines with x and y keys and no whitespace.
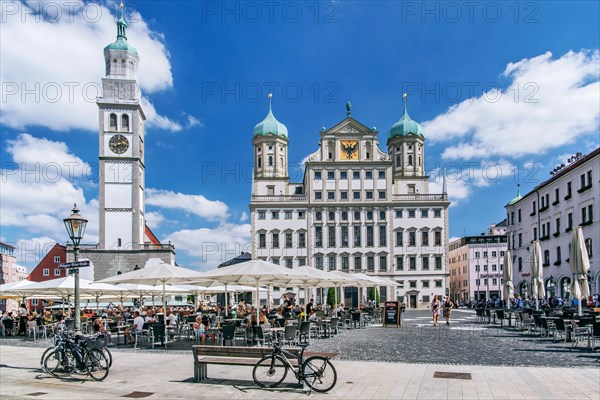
{"x":448,"y":306}
{"x":435,"y":309}
{"x":23,"y":313}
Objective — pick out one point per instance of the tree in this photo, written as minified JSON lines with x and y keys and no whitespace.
{"x":191,"y":299}
{"x":331,"y":296}
{"x":374,"y":295}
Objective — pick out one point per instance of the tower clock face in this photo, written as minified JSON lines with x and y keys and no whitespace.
{"x":118,"y":144}
{"x":349,"y":149}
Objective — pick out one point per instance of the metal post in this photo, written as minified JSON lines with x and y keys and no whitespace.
{"x":76,"y":278}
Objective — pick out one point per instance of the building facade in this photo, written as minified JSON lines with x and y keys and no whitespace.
{"x":476,"y":266}
{"x":548,"y":213}
{"x":358,"y":209}
{"x":48,"y":269}
{"x":11,"y":272}
{"x":126,"y":243}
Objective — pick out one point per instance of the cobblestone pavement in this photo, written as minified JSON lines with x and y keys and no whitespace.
{"x":417,"y":341}
{"x":464,"y":342}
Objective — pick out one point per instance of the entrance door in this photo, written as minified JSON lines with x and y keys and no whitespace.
{"x":412,"y":300}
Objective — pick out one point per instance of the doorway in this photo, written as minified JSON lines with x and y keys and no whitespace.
{"x":412,"y":300}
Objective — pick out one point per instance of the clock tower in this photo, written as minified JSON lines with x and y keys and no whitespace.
{"x":121,"y":147}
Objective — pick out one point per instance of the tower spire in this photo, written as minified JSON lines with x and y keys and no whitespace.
{"x":404,"y":97}
{"x":121,"y":24}
{"x":270,"y":97}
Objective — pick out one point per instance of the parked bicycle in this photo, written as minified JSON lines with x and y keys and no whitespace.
{"x":77,"y":354}
{"x":316,"y":371}
{"x":56,"y":339}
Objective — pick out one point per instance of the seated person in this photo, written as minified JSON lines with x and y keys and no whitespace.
{"x":312,"y":316}
{"x":172,"y":318}
{"x":200,"y":330}
{"x":138,"y":326}
{"x":149,"y":317}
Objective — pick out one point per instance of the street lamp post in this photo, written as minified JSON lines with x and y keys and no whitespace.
{"x":75,"y":225}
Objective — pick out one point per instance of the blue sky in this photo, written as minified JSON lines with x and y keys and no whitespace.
{"x":506,"y":91}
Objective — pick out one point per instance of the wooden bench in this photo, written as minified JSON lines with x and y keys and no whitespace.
{"x":230,"y":355}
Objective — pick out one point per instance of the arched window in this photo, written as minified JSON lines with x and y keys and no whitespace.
{"x":259,"y":162}
{"x":270,"y":161}
{"x":318,"y":215}
{"x":588,"y":246}
{"x":419,"y":161}
{"x":280,"y":162}
{"x":344,"y":216}
{"x":124,"y":122}
{"x":356,"y":216}
{"x":546,"y":257}
{"x":410,"y":159}
{"x":565,"y":288}
{"x":369,"y":215}
{"x":112,"y":122}
{"x":331,"y":216}
{"x":398,"y":161}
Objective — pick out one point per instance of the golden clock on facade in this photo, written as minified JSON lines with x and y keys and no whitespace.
{"x":118,"y":144}
{"x":349,"y":149}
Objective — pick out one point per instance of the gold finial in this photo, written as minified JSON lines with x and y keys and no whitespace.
{"x":121,"y":5}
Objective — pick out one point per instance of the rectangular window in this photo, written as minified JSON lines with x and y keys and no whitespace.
{"x":412,"y":284}
{"x":437,"y":213}
{"x":330,"y":195}
{"x":368,"y":174}
{"x":276,"y":240}
{"x":369,"y":195}
{"x":319,"y":263}
{"x":262,"y":240}
{"x":301,"y":240}
{"x":399,"y":263}
{"x":275,"y":215}
{"x":345,"y":263}
{"x":399,"y":235}
{"x":438,"y":262}
{"x":519,"y":215}
{"x":569,"y":221}
{"x":300,"y":214}
{"x":289,"y":263}
{"x":412,"y":263}
{"x":411,"y":213}
{"x":288,"y":215}
{"x":344,"y":195}
{"x":288,"y":239}
{"x":275,"y":260}
{"x":46,"y":271}
{"x":331,"y":263}
{"x":356,"y":195}
{"x":583,"y":215}
{"x":355,"y":174}
{"x":370,"y":263}
{"x":424,"y":213}
{"x":568,"y":196}
{"x":398,"y":213}
{"x":57,"y":259}
{"x":382,"y":235}
{"x":56,"y":271}
{"x":412,"y":238}
{"x":438,"y":284}
{"x":437,"y":237}
{"x":343,"y":175}
{"x":262,"y":215}
{"x":425,"y":238}
{"x":534,"y":234}
{"x":318,"y":196}
{"x":317,"y":175}
{"x":370,"y":235}
{"x":357,"y":236}
{"x":425,"y":284}
{"x":381,"y":174}
{"x":425,"y":263}
{"x":520,"y":239}
{"x":383,"y":263}
{"x":382,"y":195}
{"x":590,"y":214}
{"x":318,"y":236}
{"x":344,"y":236}
{"x":301,"y":261}
{"x":331,"y":236}
{"x":330,"y":175}
{"x":357,"y":263}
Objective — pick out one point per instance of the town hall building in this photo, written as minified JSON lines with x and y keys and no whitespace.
{"x":358,"y":208}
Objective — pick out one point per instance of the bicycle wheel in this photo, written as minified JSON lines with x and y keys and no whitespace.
{"x":319,"y":373}
{"x":269,"y":371}
{"x":59,"y":363}
{"x":43,"y":357}
{"x":97,"y":364}
{"x":107,"y":354}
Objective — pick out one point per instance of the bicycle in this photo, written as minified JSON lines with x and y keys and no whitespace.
{"x":77,"y":354}
{"x":316,"y":371}
{"x":56,"y":339}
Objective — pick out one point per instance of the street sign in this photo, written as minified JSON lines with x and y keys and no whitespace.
{"x":75,"y":264}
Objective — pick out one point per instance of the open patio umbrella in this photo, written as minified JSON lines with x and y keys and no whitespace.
{"x":580,"y":265}
{"x":254,"y":272}
{"x":15,"y":290}
{"x":318,"y":278}
{"x":155,"y":274}
{"x":537,"y":274}
{"x":509,"y":288}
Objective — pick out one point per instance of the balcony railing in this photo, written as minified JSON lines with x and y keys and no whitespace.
{"x":272,"y":198}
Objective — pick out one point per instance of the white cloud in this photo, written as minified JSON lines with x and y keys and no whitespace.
{"x":194,"y":204}
{"x":244,"y":217}
{"x":59,"y":60}
{"x":31,"y":251}
{"x":212,"y":246}
{"x":548,"y":104}
{"x":154,"y":219}
{"x":36,"y":196}
{"x":193,"y":121}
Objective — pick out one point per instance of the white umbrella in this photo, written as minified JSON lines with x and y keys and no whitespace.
{"x":155,"y":274}
{"x":253,"y":272}
{"x":509,"y":288}
{"x":580,"y":265}
{"x":15,"y":289}
{"x":537,"y":274}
